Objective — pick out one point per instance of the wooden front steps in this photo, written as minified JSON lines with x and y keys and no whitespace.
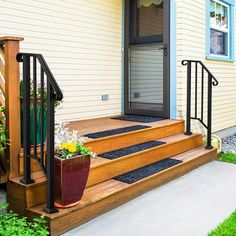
{"x":104,"y":193}
{"x":157,"y":130}
{"x":109,"y":194}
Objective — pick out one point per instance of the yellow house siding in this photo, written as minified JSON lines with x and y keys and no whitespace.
{"x":81,"y":41}
{"x":191,"y":44}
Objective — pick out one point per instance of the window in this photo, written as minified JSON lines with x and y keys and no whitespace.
{"x":146,"y":21}
{"x":220,"y":30}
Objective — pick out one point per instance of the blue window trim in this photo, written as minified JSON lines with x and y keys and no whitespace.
{"x":231,"y":52}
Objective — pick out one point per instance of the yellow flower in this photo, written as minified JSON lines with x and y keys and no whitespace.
{"x":64,"y":145}
{"x":71,"y":147}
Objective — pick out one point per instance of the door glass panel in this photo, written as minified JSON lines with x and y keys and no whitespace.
{"x":146,"y":77}
{"x":149,"y":18}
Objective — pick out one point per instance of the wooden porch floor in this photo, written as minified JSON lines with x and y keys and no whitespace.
{"x":106,"y":123}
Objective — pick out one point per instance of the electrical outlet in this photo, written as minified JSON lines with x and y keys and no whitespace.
{"x":105,"y":97}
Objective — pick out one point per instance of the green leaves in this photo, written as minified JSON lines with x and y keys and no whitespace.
{"x":226,"y":228}
{"x":4,"y":141}
{"x":80,"y":148}
{"x":227,"y":157}
{"x":11,"y":224}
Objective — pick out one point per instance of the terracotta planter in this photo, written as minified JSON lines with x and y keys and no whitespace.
{"x":71,"y":176}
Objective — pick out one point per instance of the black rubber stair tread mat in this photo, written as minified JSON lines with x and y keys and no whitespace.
{"x":143,"y":172}
{"x":131,"y":149}
{"x":116,"y":131}
{"x":141,"y":119}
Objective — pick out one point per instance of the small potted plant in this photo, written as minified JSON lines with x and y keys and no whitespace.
{"x":72,"y":165}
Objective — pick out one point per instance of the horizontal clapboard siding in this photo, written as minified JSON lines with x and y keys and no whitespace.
{"x":191,"y":44}
{"x":81,"y":41}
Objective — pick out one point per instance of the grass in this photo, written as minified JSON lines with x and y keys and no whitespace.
{"x":226,"y":228}
{"x":227,"y":157}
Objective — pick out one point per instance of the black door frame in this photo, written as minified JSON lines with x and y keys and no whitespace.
{"x":166,"y":64}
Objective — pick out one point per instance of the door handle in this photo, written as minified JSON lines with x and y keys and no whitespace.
{"x":165,"y":50}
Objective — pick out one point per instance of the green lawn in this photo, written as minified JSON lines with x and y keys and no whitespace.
{"x":227,"y":157}
{"x":226,"y":228}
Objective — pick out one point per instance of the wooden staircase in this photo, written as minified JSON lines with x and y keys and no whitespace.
{"x":104,"y":193}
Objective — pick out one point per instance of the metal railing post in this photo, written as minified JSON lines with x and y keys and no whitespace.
{"x":209,"y":113}
{"x":50,"y":208}
{"x":188,"y":112}
{"x":26,"y":121}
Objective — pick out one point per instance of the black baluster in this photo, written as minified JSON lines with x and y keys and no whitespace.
{"x":26,"y":120}
{"x":196,"y":81}
{"x":188,"y":112}
{"x":202,"y":95}
{"x":35,"y":104}
{"x":42,"y":107}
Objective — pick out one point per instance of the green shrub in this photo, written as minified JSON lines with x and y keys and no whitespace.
{"x":11,"y":224}
{"x":227,"y":157}
{"x":226,"y":228}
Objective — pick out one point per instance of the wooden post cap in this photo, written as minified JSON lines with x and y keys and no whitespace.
{"x":10,"y":38}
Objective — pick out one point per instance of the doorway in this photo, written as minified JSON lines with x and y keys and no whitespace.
{"x":147,"y":57}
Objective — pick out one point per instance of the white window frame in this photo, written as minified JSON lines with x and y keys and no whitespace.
{"x":223,"y":30}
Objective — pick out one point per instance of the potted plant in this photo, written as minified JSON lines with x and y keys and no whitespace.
{"x":39,"y":126}
{"x":72,"y":165}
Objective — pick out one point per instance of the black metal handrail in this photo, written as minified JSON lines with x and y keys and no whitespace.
{"x":39,"y":99}
{"x":211,"y":81}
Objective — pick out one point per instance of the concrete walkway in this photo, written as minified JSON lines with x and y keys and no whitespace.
{"x":189,"y":206}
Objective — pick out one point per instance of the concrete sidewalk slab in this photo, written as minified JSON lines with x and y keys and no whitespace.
{"x":189,"y":206}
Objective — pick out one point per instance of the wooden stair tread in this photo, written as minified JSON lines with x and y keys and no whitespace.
{"x":192,"y":153}
{"x":91,"y":195}
{"x":106,"y":123}
{"x":133,"y":137}
{"x":110,"y":187}
{"x":172,"y":139}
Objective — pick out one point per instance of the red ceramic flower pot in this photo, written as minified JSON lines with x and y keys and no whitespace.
{"x":71,"y":176}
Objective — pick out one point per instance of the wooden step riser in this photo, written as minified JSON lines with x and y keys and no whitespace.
{"x":77,"y":218}
{"x":115,"y":142}
{"x":28,"y":196}
{"x":122,"y":165}
{"x":36,"y":194}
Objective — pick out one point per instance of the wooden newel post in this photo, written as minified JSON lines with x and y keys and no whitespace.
{"x":12,"y":100}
